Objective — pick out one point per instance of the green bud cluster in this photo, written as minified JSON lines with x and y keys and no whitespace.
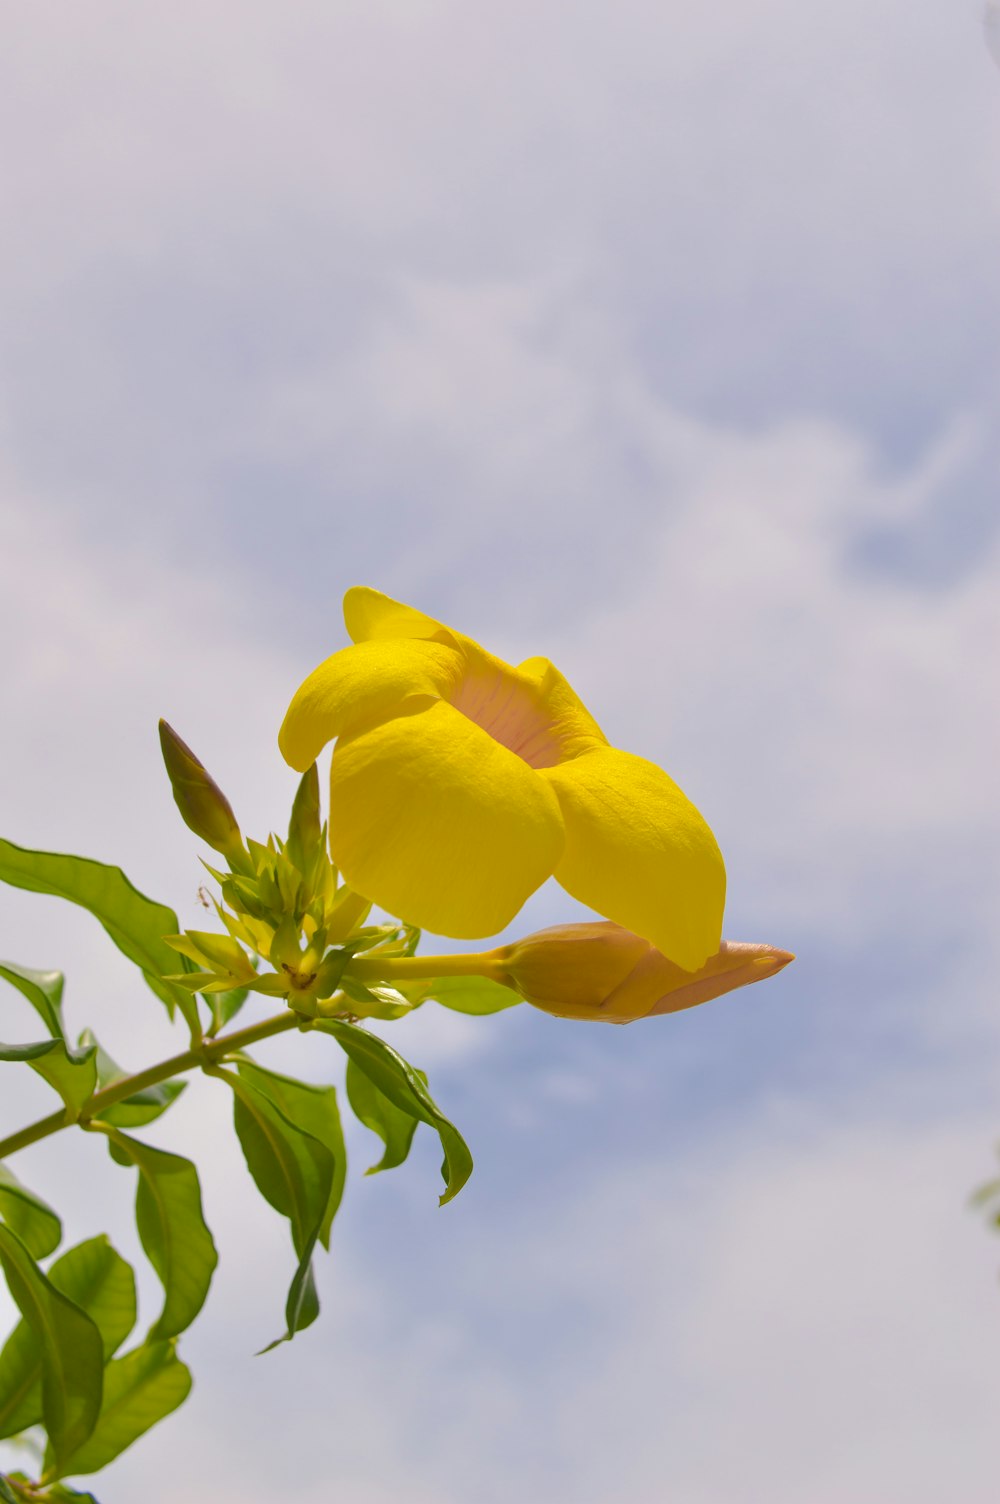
{"x":282,"y":904}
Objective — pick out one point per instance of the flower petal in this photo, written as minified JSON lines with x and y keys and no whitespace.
{"x":737,"y":964}
{"x":368,"y":682}
{"x":371,"y":616}
{"x":439,"y":824}
{"x":639,"y":853}
{"x":573,"y":723}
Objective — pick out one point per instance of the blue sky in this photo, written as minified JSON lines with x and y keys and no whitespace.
{"x":660,"y":342}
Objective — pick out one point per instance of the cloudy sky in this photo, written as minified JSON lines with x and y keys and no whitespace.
{"x":659,"y":340}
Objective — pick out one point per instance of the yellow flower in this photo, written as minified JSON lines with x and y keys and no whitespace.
{"x":459,"y":784}
{"x":601,"y":971}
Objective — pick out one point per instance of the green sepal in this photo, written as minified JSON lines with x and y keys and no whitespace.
{"x":201,"y":981}
{"x":295,"y":1174}
{"x":406,"y":1089}
{"x":242,"y":895}
{"x":70,"y":1072}
{"x":134,"y":922}
{"x":72,"y":1354}
{"x":143,"y":1106}
{"x":271,"y":984}
{"x":394,"y":1127}
{"x":305,"y":828}
{"x":213,"y":952}
{"x":261,"y":855}
{"x":171,"y":1228}
{"x":59,"y":1493}
{"x":28,"y":1216}
{"x":140,"y":1389}
{"x":43,"y":990}
{"x":101,"y":1283}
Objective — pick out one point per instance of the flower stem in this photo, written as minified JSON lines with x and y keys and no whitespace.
{"x":404,"y":968}
{"x":205,"y":1055}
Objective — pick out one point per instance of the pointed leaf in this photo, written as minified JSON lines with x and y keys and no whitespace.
{"x":101,"y":1283}
{"x":476,"y":995}
{"x":377,"y":1000}
{"x":139,"y":1390}
{"x":406,"y":1089}
{"x":135,"y":923}
{"x":143,"y":1106}
{"x":7,"y":1496}
{"x":172,"y":1230}
{"x":72,"y":1073}
{"x":60,"y":1494}
{"x":394,"y":1128}
{"x":313,"y":1110}
{"x":43,"y":989}
{"x":26,"y":1214}
{"x":294,"y":1172}
{"x":72,"y":1351}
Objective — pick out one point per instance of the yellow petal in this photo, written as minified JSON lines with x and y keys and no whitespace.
{"x":639,"y":853}
{"x":369,"y":682}
{"x":576,"y":728}
{"x":439,"y":824}
{"x":371,"y":616}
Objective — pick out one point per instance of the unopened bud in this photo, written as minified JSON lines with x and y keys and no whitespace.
{"x":204,"y":807}
{"x":601,"y":971}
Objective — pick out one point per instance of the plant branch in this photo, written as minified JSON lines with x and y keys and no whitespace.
{"x":188,"y":1060}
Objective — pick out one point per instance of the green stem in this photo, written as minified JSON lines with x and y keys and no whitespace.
{"x":188,"y":1060}
{"x":404,"y":968}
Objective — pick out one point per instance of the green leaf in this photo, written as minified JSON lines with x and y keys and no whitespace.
{"x":7,"y":1496}
{"x":477,"y":995}
{"x":394,"y":1128}
{"x":60,"y":1494}
{"x":72,"y":1351}
{"x":172,"y":1230}
{"x":295,"y":1173}
{"x":43,"y":989}
{"x":406,"y":1089}
{"x":143,"y":1106}
{"x":101,"y":1283}
{"x":139,"y":1390}
{"x":135,"y":923}
{"x":26,"y":1214}
{"x":376,"y":1001}
{"x":72,"y":1073}
{"x":313,"y":1110}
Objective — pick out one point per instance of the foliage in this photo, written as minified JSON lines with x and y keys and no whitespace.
{"x":291,"y":930}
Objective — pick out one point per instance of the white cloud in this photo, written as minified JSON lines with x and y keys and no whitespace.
{"x":727,"y":1308}
{"x":807,"y":1312}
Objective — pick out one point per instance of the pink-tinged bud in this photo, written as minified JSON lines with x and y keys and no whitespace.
{"x":601,"y":971}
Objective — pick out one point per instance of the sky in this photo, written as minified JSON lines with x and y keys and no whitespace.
{"x":660,"y":341}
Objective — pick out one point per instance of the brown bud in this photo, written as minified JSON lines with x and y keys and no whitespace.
{"x":601,"y":971}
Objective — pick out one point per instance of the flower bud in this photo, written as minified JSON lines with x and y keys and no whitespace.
{"x":204,"y":807}
{"x":601,"y":971}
